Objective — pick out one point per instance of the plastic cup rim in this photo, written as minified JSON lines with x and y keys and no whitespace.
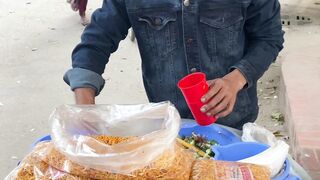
{"x":201,"y":73}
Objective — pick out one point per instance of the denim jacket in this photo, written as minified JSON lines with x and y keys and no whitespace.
{"x":178,"y":37}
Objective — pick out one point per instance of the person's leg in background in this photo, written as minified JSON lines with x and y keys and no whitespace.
{"x":82,"y":5}
{"x":74,"y":4}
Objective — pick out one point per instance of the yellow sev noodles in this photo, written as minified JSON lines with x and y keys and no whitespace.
{"x":111,"y":140}
{"x":174,"y":163}
{"x":46,"y":162}
{"x":32,"y":167}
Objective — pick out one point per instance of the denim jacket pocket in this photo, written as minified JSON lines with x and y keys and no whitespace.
{"x":158,"y":22}
{"x":156,"y":31}
{"x":221,"y":26}
{"x":220,"y":18}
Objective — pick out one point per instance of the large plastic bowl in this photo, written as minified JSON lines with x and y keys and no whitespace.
{"x":44,"y":138}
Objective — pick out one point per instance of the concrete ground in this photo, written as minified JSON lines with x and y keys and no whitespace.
{"x":36,"y":39}
{"x":300,"y":83}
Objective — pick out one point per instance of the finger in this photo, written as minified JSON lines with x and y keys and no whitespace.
{"x":223,"y":113}
{"x":227,"y":111}
{"x":223,"y":105}
{"x":213,"y":102}
{"x":214,"y":89}
{"x":211,"y":82}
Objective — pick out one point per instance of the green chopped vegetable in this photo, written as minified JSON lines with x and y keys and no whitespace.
{"x":202,"y":143}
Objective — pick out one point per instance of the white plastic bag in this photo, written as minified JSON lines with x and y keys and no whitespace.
{"x":273,"y":157}
{"x":154,"y":126}
{"x":254,"y":133}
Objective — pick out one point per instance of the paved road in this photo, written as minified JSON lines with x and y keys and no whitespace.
{"x":36,"y":39}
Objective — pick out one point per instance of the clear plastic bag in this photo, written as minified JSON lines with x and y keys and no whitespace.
{"x":45,"y":162}
{"x":33,"y":167}
{"x":208,"y":169}
{"x":111,"y":142}
{"x":154,"y":126}
{"x":175,"y":164}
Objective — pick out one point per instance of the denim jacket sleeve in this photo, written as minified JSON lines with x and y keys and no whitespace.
{"x":265,"y":39}
{"x":109,"y":25}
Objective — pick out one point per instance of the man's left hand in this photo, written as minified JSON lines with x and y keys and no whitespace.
{"x":221,"y":97}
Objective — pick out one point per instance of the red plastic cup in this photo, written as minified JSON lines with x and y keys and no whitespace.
{"x":193,"y":87}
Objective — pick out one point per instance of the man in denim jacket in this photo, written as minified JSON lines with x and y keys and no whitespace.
{"x":232,"y":41}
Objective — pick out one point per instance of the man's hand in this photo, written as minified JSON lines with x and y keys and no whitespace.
{"x":222,"y":94}
{"x":84,"y":95}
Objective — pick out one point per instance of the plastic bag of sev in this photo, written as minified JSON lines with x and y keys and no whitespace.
{"x":207,"y":169}
{"x":174,"y":163}
{"x":153,"y":126}
{"x":46,"y":162}
{"x":33,"y":167}
{"x":114,"y":142}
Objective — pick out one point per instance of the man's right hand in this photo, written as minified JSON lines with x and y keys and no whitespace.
{"x":84,"y":95}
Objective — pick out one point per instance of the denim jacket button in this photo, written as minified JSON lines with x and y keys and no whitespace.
{"x":186,"y":2}
{"x":189,"y":40}
{"x":193,"y":70}
{"x":157,"y":21}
